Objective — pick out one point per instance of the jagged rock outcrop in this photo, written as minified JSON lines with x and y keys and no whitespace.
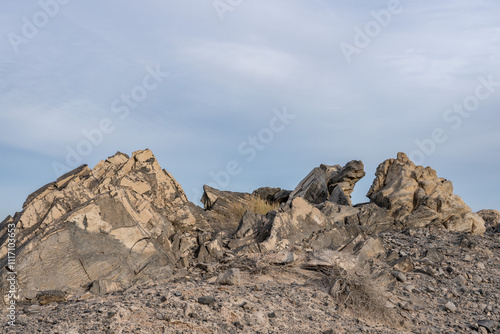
{"x":491,"y":218}
{"x":301,"y":224}
{"x":125,"y":220}
{"x":333,"y":183}
{"x":223,"y":202}
{"x":224,"y":209}
{"x":416,"y":197}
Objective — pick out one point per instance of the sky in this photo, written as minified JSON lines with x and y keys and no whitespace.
{"x":242,"y":94}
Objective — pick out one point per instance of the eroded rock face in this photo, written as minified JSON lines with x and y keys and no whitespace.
{"x":417,"y":197}
{"x":300,"y":224}
{"x":333,"y":183}
{"x":125,"y":220}
{"x":223,"y":202}
{"x":128,"y":220}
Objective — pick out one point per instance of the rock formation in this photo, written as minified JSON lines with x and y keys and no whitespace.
{"x":416,"y":197}
{"x":106,"y":228}
{"x":127,"y":221}
{"x":333,"y":183}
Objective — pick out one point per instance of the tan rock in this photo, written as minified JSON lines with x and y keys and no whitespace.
{"x":112,"y":225}
{"x":417,"y":197}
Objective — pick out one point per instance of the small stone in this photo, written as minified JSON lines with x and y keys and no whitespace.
{"x":454,"y":292}
{"x":407,"y":307}
{"x":188,"y":309}
{"x":450,"y":306}
{"x":389,"y":305}
{"x":206,"y":267}
{"x":283,"y":257}
{"x":460,"y":280}
{"x":238,"y":325}
{"x":32,"y":309}
{"x":248,"y":306}
{"x":206,"y":300}
{"x":271,"y":315}
{"x":163,"y":299}
{"x":399,"y":276}
{"x":134,"y":308}
{"x":161,"y":316}
{"x":480,"y":266}
{"x":409,"y":287}
{"x":488,"y":324}
{"x":177,"y":294}
{"x":230,"y":277}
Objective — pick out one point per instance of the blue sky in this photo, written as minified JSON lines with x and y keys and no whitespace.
{"x":195,"y":81}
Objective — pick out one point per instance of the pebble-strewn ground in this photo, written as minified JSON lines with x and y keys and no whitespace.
{"x":450,"y":283}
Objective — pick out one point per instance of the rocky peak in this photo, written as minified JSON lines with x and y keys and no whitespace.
{"x":110,"y":226}
{"x":417,"y":197}
{"x":323,"y":181}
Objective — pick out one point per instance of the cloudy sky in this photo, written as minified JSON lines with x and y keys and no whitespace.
{"x":265,"y":90}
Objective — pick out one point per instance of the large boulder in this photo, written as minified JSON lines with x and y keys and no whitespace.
{"x":125,"y":220}
{"x":334,"y":183}
{"x":416,"y":197}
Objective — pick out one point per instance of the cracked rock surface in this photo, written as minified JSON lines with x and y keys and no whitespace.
{"x":120,"y":249}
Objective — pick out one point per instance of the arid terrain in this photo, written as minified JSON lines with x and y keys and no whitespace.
{"x":120,"y":249}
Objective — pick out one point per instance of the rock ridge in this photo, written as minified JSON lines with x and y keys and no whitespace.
{"x":128,"y":221}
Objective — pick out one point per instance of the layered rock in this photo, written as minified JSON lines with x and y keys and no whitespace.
{"x":128,"y":220}
{"x":417,"y":197}
{"x":333,"y":183}
{"x":223,"y":202}
{"x":224,"y":208}
{"x":125,"y":220}
{"x":307,"y":226}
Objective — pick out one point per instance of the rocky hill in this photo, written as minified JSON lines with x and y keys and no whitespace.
{"x":120,"y":249}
